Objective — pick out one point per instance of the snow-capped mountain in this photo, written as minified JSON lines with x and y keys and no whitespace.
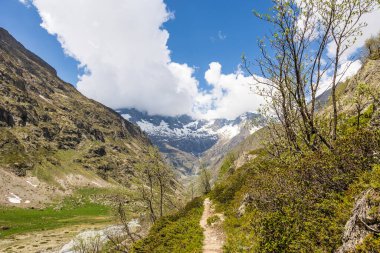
{"x":184,"y":140}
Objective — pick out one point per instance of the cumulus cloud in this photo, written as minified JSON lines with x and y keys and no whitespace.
{"x":123,"y":48}
{"x":231,"y":94}
{"x":371,"y":21}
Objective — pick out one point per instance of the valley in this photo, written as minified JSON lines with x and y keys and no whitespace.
{"x":150,"y":150}
{"x":188,"y":144}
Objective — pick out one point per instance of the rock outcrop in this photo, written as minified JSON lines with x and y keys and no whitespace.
{"x":365,"y":220}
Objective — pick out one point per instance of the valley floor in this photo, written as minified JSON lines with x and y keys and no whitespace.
{"x":44,"y":241}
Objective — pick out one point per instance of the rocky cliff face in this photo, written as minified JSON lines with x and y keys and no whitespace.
{"x":49,"y":129}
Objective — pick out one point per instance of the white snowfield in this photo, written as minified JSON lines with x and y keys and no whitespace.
{"x":194,"y":129}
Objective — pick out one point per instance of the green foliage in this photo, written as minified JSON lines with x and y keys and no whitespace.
{"x":370,"y":244}
{"x":227,"y":163}
{"x":223,"y":192}
{"x":180,"y":232}
{"x":372,"y":48}
{"x":213,"y":219}
{"x":299,"y":203}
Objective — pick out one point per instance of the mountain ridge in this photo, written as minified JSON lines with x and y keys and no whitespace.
{"x":188,"y":143}
{"x":54,"y":137}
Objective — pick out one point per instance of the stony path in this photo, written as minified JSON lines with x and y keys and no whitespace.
{"x":214,"y":237}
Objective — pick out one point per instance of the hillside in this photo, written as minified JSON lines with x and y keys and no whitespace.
{"x":316,"y":201}
{"x":52,"y":138}
{"x":313,"y":201}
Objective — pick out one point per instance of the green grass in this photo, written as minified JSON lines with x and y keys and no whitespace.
{"x":180,"y":232}
{"x":21,"y":220}
{"x":73,"y":210}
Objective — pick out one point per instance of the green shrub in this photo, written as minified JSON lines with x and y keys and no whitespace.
{"x":213,"y":219}
{"x":180,"y":232}
{"x":370,"y":244}
{"x":298,"y":203}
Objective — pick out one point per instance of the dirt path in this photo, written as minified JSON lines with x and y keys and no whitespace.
{"x":214,"y":237}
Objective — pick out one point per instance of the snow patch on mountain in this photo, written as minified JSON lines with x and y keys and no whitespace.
{"x":126,"y":116}
{"x":186,"y":134}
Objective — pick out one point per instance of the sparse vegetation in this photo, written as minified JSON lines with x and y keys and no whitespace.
{"x":372,"y":48}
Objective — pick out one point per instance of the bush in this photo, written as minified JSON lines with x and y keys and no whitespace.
{"x":213,"y":219}
{"x":298,"y":203}
{"x":372,"y":48}
{"x":180,"y":232}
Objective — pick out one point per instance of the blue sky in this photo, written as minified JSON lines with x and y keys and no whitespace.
{"x":201,"y":32}
{"x":195,"y":32}
{"x":24,"y":24}
{"x":167,"y":57}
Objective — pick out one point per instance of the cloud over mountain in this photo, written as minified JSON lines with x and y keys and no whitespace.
{"x":122,"y":46}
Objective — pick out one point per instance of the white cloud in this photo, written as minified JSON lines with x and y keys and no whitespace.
{"x":346,"y":70}
{"x":221,"y":35}
{"x":231,"y":94}
{"x":25,"y":2}
{"x":372,"y":28}
{"x":123,"y":47}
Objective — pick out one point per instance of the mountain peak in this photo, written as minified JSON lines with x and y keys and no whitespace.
{"x":185,"y":140}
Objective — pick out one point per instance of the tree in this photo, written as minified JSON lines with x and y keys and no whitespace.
{"x":360,"y":100}
{"x":296,"y":57}
{"x":157,"y":185}
{"x":346,"y":26}
{"x":205,"y":179}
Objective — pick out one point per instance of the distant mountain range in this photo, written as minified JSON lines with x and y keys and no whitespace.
{"x":185,"y":141}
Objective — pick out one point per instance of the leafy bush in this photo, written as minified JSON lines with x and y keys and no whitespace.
{"x":213,"y":219}
{"x":370,"y":244}
{"x":299,"y":203}
{"x":372,"y":48}
{"x":180,"y":232}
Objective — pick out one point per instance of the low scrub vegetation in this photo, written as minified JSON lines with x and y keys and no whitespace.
{"x":301,"y":202}
{"x":180,"y":232}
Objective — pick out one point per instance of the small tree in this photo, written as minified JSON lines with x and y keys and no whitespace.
{"x":360,"y":100}
{"x":205,"y":179}
{"x":157,"y":185}
{"x":309,"y":42}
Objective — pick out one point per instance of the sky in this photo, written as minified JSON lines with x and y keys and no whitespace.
{"x":167,"y":57}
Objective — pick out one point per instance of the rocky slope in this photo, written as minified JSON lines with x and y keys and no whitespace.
{"x":189,"y":143}
{"x":55,"y":137}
